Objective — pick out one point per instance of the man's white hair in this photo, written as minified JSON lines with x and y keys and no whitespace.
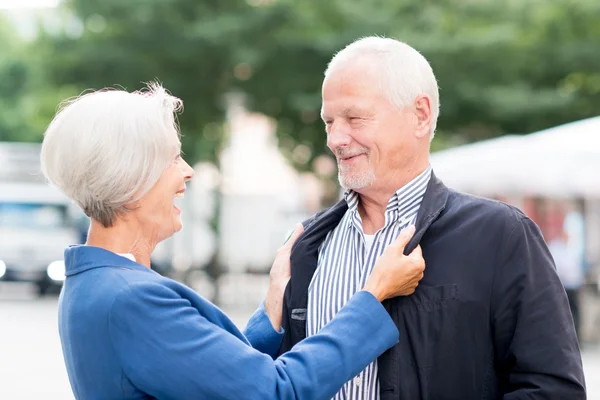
{"x":107,"y":148}
{"x":405,"y":73}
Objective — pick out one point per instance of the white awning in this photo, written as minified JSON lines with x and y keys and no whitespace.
{"x":563,"y":161}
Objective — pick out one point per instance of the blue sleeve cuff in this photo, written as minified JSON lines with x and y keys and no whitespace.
{"x":261,"y":334}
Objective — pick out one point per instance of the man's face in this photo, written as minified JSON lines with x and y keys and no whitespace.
{"x":369,"y":136}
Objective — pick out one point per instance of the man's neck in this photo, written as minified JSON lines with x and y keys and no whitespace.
{"x":374,"y":200}
{"x":122,"y":238}
{"x":372,"y":213}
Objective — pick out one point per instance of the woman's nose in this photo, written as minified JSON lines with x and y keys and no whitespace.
{"x":187,"y":171}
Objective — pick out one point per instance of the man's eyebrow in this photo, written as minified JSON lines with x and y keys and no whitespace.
{"x":345,"y":113}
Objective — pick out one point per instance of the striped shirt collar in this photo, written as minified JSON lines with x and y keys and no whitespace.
{"x":412,"y":192}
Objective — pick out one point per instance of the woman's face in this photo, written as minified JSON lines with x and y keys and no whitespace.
{"x":155,"y":211}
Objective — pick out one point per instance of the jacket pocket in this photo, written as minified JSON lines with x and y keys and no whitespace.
{"x":427,"y":322}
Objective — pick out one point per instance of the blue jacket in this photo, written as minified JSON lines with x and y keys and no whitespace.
{"x":129,"y":333}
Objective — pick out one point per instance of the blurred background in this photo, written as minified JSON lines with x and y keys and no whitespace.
{"x":520,"y":122}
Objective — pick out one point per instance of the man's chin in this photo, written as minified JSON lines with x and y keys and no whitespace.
{"x":356,"y":182}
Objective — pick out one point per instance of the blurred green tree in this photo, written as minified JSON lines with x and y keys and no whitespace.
{"x":503,"y":66}
{"x":14,"y":74}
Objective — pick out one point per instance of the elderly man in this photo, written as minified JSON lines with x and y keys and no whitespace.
{"x":490,"y":319}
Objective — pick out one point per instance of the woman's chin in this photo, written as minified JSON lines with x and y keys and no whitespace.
{"x":177,"y":224}
{"x":168,"y":232}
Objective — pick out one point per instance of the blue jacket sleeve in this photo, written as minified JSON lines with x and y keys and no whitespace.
{"x":534,"y":337}
{"x":170,"y":351}
{"x":260,"y":333}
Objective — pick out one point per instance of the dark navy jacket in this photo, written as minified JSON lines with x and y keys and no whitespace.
{"x":489,"y":320}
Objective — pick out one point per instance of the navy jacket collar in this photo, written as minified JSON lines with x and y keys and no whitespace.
{"x":434,"y":202}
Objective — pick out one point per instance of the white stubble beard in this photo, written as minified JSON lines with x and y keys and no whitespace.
{"x":355,"y":180}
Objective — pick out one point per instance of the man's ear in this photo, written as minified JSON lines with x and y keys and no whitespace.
{"x":422,"y":107}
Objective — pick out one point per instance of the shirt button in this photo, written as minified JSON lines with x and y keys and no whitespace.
{"x":357,"y":380}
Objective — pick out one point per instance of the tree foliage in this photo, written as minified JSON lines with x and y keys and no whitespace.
{"x":503,"y":66}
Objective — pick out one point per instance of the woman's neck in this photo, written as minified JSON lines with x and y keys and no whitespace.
{"x":124,"y":237}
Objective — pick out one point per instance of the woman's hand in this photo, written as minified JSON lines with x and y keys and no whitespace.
{"x":279,"y":277}
{"x":394,"y":273}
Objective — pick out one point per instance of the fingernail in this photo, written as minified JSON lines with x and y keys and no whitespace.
{"x":288,"y":238}
{"x":409,"y":228}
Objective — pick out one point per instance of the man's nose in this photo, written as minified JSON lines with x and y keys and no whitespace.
{"x":338,"y":136}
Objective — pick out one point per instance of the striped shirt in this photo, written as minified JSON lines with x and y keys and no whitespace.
{"x":346,"y":259}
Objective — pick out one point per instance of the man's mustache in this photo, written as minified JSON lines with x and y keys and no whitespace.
{"x":343,"y":153}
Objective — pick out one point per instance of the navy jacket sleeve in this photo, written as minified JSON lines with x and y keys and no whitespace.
{"x":170,"y":351}
{"x":534,"y":337}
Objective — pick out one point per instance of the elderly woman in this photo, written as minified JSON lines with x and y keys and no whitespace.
{"x":129,"y":333}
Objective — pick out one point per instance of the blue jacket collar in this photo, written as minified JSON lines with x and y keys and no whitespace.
{"x":81,"y":258}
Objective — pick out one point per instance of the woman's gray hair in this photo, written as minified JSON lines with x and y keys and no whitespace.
{"x":405,"y":73}
{"x":106,"y":149}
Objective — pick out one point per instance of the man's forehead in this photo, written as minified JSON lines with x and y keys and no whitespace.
{"x":351,"y":90}
{"x":345,"y":107}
